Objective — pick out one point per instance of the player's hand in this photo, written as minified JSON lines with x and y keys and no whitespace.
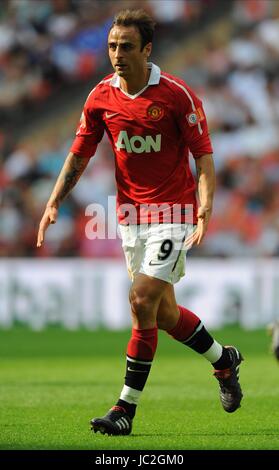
{"x":198,"y":234}
{"x":49,"y":217}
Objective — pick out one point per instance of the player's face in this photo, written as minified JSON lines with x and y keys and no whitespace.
{"x":124,"y":45}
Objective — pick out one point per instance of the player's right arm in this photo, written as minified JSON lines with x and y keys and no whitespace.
{"x":89,"y":133}
{"x":71,"y":171}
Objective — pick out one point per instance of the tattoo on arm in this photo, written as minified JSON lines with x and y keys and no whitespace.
{"x":71,"y":174}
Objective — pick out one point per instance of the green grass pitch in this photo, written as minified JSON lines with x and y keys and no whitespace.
{"x":54,"y":381}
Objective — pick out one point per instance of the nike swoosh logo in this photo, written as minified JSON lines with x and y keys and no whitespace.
{"x":154,"y":264}
{"x":134,"y":370}
{"x":109,"y":115}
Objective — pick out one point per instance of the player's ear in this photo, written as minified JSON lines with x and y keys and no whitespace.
{"x":148,"y":49}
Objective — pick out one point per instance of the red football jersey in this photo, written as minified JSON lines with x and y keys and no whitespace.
{"x":151,"y":134}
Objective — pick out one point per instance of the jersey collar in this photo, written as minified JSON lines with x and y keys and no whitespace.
{"x":154,"y":78}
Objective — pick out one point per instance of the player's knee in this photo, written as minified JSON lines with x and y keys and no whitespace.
{"x":142,"y":304}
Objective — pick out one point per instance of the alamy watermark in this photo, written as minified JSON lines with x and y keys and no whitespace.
{"x":103,"y":222}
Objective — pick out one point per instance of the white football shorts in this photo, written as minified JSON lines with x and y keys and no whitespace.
{"x":156,"y":250}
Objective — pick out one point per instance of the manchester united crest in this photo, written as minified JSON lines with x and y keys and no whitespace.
{"x":155,"y":112}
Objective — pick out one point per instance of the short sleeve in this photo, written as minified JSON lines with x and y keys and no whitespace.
{"x":89,"y":132}
{"x":193,"y":124}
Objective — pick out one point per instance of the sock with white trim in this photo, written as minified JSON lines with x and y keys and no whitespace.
{"x":140,"y":352}
{"x":191,"y":332}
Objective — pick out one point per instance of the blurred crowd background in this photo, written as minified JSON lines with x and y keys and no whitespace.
{"x":52,"y":53}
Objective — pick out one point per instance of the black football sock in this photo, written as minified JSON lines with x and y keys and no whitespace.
{"x":140,"y":352}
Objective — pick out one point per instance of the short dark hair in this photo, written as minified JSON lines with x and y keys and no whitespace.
{"x":138,"y":18}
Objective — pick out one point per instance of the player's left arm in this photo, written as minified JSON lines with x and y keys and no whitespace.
{"x":206,"y":189}
{"x":193,"y":123}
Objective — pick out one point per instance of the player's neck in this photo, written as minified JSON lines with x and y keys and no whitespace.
{"x":133,"y":85}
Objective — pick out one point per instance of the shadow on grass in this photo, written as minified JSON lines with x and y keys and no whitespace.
{"x":205,"y":434}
